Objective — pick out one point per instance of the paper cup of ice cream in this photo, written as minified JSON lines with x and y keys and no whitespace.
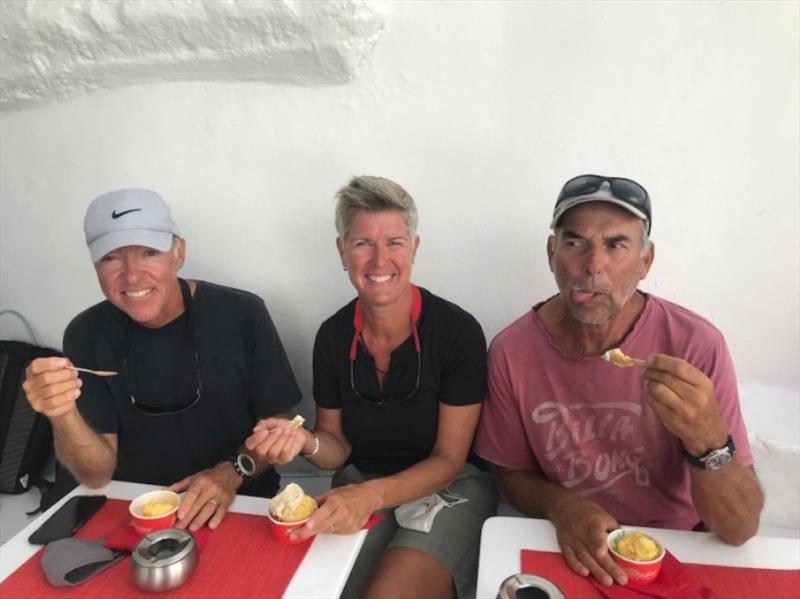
{"x":289,"y":510}
{"x":154,"y":511}
{"x":637,"y":553}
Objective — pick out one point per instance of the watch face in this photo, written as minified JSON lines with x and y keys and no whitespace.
{"x":718,"y":459}
{"x":246,"y":464}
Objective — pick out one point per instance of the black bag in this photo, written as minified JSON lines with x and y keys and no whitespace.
{"x":26,"y":437}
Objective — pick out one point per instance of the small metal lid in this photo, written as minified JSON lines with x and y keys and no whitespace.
{"x":162,"y":548}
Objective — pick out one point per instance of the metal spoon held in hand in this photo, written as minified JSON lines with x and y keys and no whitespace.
{"x":618,"y":358}
{"x":94,"y":372}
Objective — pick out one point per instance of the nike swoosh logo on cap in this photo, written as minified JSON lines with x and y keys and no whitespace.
{"x":115,"y":215}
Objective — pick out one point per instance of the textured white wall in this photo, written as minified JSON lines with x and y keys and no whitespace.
{"x":481,"y":110}
{"x":58,"y":49}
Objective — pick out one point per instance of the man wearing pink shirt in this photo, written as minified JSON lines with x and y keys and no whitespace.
{"x":589,"y":445}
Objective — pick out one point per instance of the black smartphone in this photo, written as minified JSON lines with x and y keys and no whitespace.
{"x":67,"y":519}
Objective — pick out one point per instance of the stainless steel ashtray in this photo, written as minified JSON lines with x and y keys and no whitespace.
{"x":164,"y":560}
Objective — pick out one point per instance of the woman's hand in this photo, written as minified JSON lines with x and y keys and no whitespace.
{"x":343,"y":510}
{"x":278,"y":440}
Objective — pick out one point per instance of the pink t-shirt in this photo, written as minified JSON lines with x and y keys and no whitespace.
{"x":587,"y":423}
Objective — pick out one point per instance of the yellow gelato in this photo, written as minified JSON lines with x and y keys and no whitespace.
{"x":307,"y":507}
{"x":618,"y":358}
{"x":157,"y":507}
{"x":292,"y":504}
{"x":638,"y":546}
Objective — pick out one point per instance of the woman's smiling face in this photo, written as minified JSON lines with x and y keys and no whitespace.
{"x":378,"y":252}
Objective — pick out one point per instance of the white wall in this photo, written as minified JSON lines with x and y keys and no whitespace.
{"x":481,"y":110}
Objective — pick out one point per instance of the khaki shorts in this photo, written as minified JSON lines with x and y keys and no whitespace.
{"x":454,"y":539}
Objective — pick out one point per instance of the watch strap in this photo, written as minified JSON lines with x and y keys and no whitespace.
{"x":703,"y":461}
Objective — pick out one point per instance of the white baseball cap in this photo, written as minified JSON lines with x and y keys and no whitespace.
{"x":128,"y":217}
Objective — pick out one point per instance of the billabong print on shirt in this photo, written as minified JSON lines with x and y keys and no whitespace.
{"x":588,"y":446}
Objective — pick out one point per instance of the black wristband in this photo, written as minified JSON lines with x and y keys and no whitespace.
{"x":715,"y":459}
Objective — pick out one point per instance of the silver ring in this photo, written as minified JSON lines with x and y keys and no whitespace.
{"x":214,"y":501}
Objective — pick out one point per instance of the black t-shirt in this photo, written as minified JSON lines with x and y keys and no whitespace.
{"x":227,"y":347}
{"x":392,"y":437}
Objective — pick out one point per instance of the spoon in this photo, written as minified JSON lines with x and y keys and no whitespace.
{"x":94,"y":372}
{"x":618,"y":358}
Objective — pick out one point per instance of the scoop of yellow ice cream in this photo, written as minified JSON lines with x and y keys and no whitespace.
{"x":307,"y":507}
{"x":292,"y":504}
{"x":638,"y":546}
{"x":156,"y":507}
{"x":618,"y":358}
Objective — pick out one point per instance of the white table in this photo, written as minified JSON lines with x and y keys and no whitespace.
{"x":503,"y":538}
{"x":321,"y":574}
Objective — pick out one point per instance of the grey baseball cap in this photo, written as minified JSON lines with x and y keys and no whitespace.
{"x":128,"y":217}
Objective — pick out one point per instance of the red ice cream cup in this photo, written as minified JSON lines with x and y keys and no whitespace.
{"x":639,"y":572}
{"x":144,"y":525}
{"x":280,"y":530}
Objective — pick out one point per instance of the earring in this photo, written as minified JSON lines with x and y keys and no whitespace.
{"x":344,"y":268}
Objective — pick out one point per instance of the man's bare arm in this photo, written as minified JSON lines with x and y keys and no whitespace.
{"x":53,"y":389}
{"x":729,"y":501}
{"x":89,"y":456}
{"x":581,"y":525}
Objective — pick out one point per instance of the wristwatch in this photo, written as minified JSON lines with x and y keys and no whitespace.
{"x":716,"y":459}
{"x":244,"y":465}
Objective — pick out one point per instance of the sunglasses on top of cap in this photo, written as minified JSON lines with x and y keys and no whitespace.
{"x":624,"y":189}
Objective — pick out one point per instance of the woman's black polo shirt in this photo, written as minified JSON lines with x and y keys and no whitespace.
{"x":392,"y":437}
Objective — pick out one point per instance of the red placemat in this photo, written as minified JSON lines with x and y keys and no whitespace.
{"x":722,"y":581}
{"x":241,"y":559}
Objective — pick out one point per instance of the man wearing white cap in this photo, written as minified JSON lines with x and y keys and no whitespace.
{"x":589,"y":445}
{"x":198,"y":365}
